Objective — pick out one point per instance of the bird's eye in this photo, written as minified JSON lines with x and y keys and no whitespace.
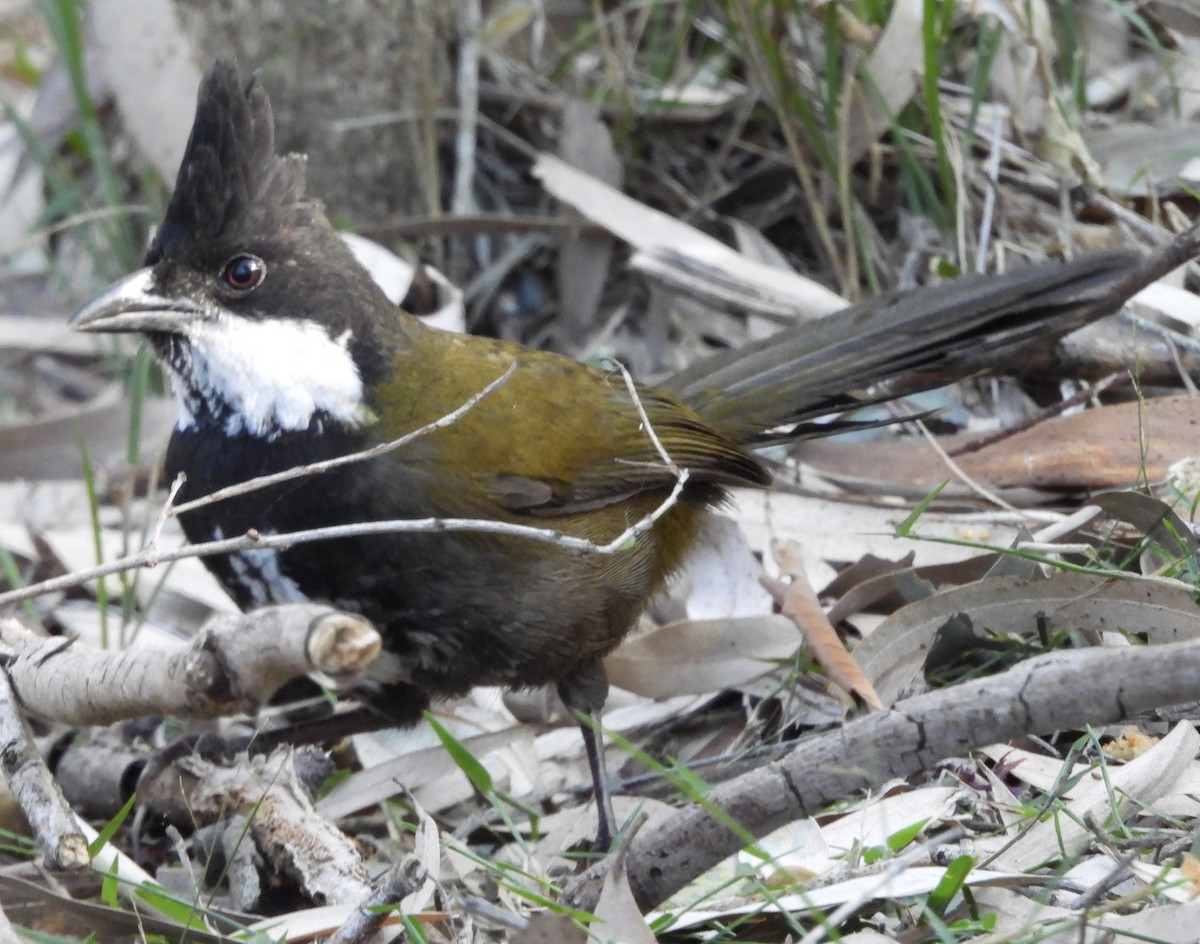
{"x":243,"y":272}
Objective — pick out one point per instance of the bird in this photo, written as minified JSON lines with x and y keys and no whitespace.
{"x":283,"y":352}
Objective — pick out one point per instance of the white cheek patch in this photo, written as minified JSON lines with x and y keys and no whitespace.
{"x":271,"y":376}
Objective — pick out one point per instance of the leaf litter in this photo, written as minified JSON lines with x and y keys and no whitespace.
{"x":706,"y":676}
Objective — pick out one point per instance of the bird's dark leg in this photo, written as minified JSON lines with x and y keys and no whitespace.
{"x":593,"y":742}
{"x":585,"y":693}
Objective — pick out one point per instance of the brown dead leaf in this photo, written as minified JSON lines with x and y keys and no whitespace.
{"x":800,"y":604}
{"x":1100,"y":448}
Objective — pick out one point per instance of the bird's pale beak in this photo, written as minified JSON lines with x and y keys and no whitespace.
{"x":132,"y":305}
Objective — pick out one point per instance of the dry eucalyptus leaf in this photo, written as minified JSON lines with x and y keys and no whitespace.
{"x":142,"y":52}
{"x":849,"y":530}
{"x":867,"y":936}
{"x":1014,"y":77}
{"x":800,"y":604}
{"x":754,"y":245}
{"x":585,"y":142}
{"x":415,"y":758}
{"x":427,"y":851}
{"x":894,"y":655}
{"x":1172,"y":539}
{"x":1140,"y":159}
{"x":1170,"y":305}
{"x":1105,"y":37}
{"x":720,"y":576}
{"x":805,"y":846}
{"x":1107,"y":447}
{"x":1139,"y":784}
{"x":1042,"y":772}
{"x":892,"y":78}
{"x":395,"y":275}
{"x":92,"y":919}
{"x":1179,"y":15}
{"x":1163,"y":924}
{"x":912,"y":882}
{"x":547,"y":927}
{"x":620,"y":919}
{"x":636,"y":714}
{"x":699,"y":656}
{"x":566,"y":828}
{"x":665,"y":238}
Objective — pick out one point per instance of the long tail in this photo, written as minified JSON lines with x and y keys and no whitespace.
{"x":904,"y":342}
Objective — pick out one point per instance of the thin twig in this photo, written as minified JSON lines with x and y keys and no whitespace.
{"x":462,"y":198}
{"x":1076,"y":399}
{"x":1167,"y":335}
{"x":394,"y":885}
{"x":893,"y":870}
{"x":254,"y":540}
{"x":646,"y":425}
{"x":960,"y":472}
{"x":989,"y":194}
{"x":35,"y":790}
{"x":315,"y":468}
{"x":167,"y":510}
{"x":151,"y":556}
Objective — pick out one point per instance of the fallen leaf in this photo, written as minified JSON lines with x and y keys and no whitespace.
{"x":894,"y":655}
{"x":1108,"y":447}
{"x":800,"y":604}
{"x":1139,"y":784}
{"x":698,"y":656}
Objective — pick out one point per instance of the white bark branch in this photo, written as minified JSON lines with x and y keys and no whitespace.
{"x":234,"y":666}
{"x":50,"y":817}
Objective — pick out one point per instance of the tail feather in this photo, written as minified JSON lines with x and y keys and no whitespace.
{"x":927,"y":337}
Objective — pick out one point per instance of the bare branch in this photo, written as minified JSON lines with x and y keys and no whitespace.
{"x":151,"y":555}
{"x":50,"y":817}
{"x":253,"y":540}
{"x":234,"y":666}
{"x":314,"y":468}
{"x":646,"y":424}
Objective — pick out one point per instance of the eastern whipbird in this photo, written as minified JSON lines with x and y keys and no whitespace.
{"x":283,"y":351}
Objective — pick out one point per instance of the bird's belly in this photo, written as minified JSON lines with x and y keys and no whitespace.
{"x":455,"y":609}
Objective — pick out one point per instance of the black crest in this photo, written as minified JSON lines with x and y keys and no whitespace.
{"x":230,"y":180}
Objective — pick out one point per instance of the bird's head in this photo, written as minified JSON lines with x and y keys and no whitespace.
{"x":248,"y":295}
